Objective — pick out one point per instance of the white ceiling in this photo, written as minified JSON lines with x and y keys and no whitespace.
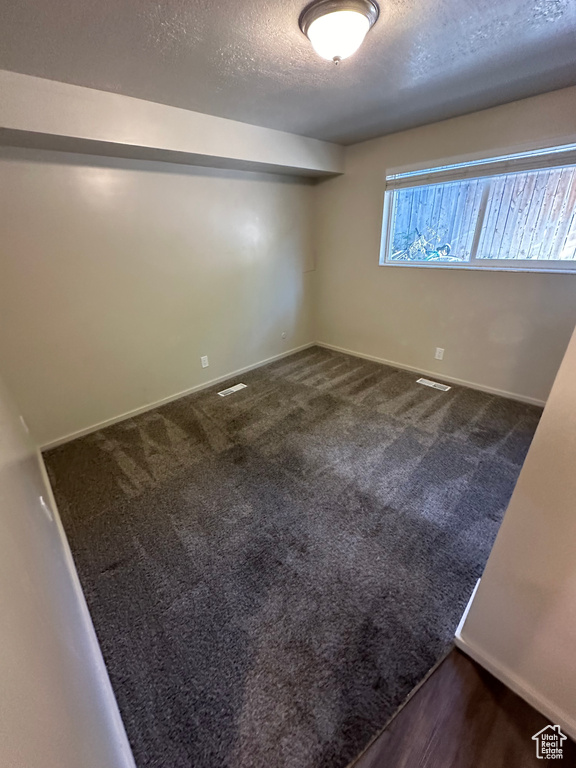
{"x":425,"y":60}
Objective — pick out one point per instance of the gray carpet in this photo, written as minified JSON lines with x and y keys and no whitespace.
{"x":271,"y":573}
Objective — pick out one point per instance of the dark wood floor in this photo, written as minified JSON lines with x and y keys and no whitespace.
{"x":462,"y":717}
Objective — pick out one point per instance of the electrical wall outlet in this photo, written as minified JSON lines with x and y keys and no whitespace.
{"x":439,"y":353}
{"x":204,"y":361}
{"x":283,"y":334}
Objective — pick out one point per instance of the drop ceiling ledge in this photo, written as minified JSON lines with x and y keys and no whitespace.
{"x":45,"y":114}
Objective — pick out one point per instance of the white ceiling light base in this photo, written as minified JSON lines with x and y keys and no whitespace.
{"x":337,"y":28}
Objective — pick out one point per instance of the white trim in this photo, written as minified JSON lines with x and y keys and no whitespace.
{"x":468,"y":606}
{"x":487,"y":170}
{"x":518,"y":686}
{"x":521,"y":162}
{"x":157,"y":403}
{"x":436,"y":374}
{"x":551,"y":156}
{"x":198,"y":387}
{"x":471,"y":157}
{"x":112,"y":710}
{"x":491,"y":267}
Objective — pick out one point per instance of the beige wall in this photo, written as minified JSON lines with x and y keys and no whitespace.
{"x":501,"y":331}
{"x":117,"y":275}
{"x":135,"y":269}
{"x":522,"y":621}
{"x":57,"y":709}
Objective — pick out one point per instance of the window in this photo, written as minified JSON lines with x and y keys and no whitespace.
{"x":513,"y":212}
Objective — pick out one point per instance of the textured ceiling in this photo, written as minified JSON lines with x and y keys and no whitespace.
{"x":425,"y":60}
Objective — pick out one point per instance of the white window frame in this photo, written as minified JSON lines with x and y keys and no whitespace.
{"x":550,"y":157}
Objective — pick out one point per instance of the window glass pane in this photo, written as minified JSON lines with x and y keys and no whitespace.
{"x":531,"y":216}
{"x":435,"y":223}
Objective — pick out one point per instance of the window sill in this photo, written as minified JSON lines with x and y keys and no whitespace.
{"x":470,"y":267}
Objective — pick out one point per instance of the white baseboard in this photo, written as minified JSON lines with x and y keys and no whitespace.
{"x":169,"y":399}
{"x":435,"y":374}
{"x":465,"y":614}
{"x":150,"y":406}
{"x":512,"y":681}
{"x":90,"y":643}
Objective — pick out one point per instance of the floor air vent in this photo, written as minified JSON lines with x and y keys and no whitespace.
{"x":434,"y":384}
{"x":231,"y":390}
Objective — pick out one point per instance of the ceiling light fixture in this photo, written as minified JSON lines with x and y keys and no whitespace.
{"x":337,"y":28}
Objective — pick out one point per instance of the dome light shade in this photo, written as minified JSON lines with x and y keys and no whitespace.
{"x":337,"y":28}
{"x":339,"y":34}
